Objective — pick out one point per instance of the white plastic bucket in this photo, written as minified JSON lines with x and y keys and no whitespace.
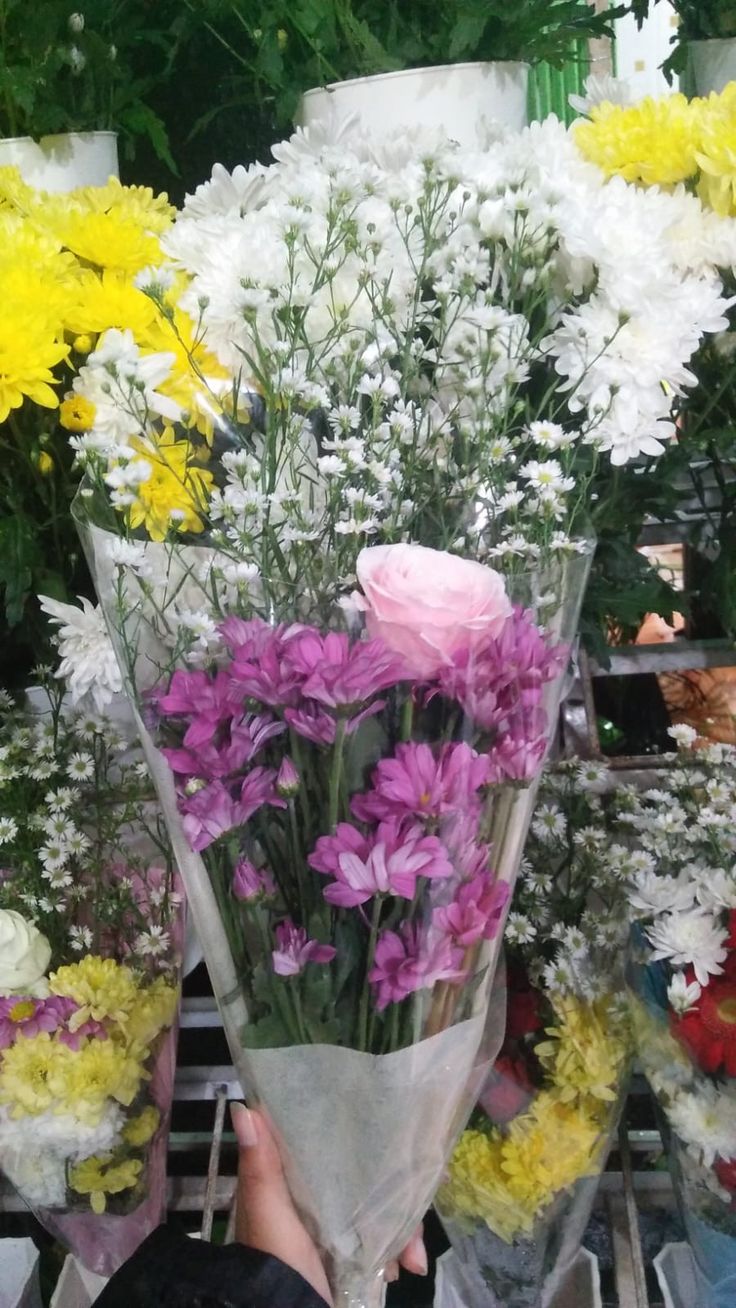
{"x":61,"y":163}
{"x":713,"y":64}
{"x":463,"y":100}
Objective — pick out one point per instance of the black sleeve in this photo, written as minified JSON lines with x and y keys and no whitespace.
{"x":172,"y":1271}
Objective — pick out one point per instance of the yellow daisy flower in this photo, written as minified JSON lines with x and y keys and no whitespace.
{"x":175,"y":495}
{"x":139,"y":1130}
{"x":110,"y":301}
{"x":104,"y":990}
{"x":108,"y":241}
{"x":100,"y":1176}
{"x":76,"y":413}
{"x":154,"y":1012}
{"x":29,"y":1074}
{"x":143,"y":206}
{"x":99,"y":1070}
{"x":28,"y":352}
{"x":654,"y":141}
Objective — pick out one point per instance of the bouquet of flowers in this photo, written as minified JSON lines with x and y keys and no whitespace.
{"x":337,"y":530}
{"x":89,"y":941}
{"x":683,"y":974}
{"x":523,"y":1177}
{"x":68,"y":265}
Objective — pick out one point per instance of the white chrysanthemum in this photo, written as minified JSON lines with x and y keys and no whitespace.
{"x":693,"y":939}
{"x":651,"y":894}
{"x":88,"y":664}
{"x":683,"y":996}
{"x":683,"y":735}
{"x":705,"y":1121}
{"x":601,"y":88}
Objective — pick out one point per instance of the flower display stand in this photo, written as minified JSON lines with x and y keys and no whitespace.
{"x":76,"y":1287}
{"x":19,"y":1285}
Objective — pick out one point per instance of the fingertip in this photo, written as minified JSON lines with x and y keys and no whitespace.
{"x":244,"y":1126}
{"x":414,"y":1257}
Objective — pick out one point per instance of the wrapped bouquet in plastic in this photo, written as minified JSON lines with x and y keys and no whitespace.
{"x":336,"y":522}
{"x":522,"y":1180}
{"x":683,"y":978}
{"x":89,"y":944}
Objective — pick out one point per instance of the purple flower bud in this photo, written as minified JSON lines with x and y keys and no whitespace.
{"x":250,"y":884}
{"x":287,"y":780}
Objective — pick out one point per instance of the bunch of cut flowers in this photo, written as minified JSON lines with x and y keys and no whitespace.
{"x":342,"y":580}
{"x":89,"y":980}
{"x":69,"y":265}
{"x":683,"y":975}
{"x":522,"y":1180}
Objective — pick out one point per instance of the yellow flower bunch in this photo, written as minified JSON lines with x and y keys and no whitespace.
{"x":587,"y":1050}
{"x":654,"y":141}
{"x":67,"y":264}
{"x":91,"y":1076}
{"x":666,"y":141}
{"x":506,"y":1177}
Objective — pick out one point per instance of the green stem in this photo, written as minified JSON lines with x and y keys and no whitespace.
{"x":336,"y":773}
{"x":363,"y":1041}
{"x":407,"y":718}
{"x":297,"y":859}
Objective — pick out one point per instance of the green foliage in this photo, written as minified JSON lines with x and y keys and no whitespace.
{"x":284,"y":47}
{"x":700,"y":20}
{"x":92,"y":68}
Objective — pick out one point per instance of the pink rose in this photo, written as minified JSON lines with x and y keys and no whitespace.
{"x":429,"y":606}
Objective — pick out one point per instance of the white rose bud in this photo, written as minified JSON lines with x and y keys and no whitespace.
{"x":24,"y":955}
{"x":76,"y":22}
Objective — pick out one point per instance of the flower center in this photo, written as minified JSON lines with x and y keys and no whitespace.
{"x":424,"y":798}
{"x":726,"y":1009}
{"x":21,"y":1011}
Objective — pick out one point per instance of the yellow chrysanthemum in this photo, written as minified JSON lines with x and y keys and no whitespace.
{"x":194,"y":366}
{"x":99,"y":1070}
{"x":477,"y":1189}
{"x":14,"y":192}
{"x":654,"y":141}
{"x":139,"y":1130}
{"x":585,"y":1054}
{"x":28,"y":352}
{"x":107,"y":241}
{"x":30,"y":1071}
{"x":100,"y":1176}
{"x":154,"y":1012}
{"x":716,"y":153}
{"x":76,"y":413}
{"x":104,"y":990}
{"x":149,"y":211}
{"x":110,"y":301}
{"x":175,"y":495}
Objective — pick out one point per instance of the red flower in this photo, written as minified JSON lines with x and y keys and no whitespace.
{"x":709,"y":1031}
{"x":509,"y":1090}
{"x":725,"y":1170}
{"x":522,"y":1014}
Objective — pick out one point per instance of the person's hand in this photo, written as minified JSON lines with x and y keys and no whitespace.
{"x":266,"y":1218}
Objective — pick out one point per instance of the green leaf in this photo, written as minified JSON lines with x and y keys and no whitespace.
{"x":19,"y":556}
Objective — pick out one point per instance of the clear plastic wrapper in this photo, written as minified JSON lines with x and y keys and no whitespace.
{"x":349,"y":820}
{"x":91,"y":932}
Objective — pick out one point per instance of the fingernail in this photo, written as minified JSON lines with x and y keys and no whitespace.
{"x":244,"y":1126}
{"x":418,"y":1255}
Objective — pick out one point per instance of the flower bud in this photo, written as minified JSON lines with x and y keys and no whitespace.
{"x":287,"y":780}
{"x":249,"y":883}
{"x":82,"y":344}
{"x":77,"y":60}
{"x":76,"y":22}
{"x":44,"y":463}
